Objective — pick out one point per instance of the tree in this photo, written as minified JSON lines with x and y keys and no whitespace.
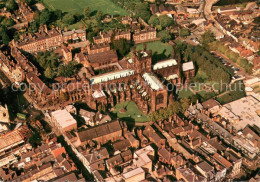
{"x":185,"y":103}
{"x":87,"y":12}
{"x":11,"y":5}
{"x":233,"y":56}
{"x":142,"y":10}
{"x":122,"y":46}
{"x":8,"y":22}
{"x":33,"y":28}
{"x":165,"y":36}
{"x":165,"y":21}
{"x":58,"y":14}
{"x":45,"y":17}
{"x":154,"y":20}
{"x":184,"y":32}
{"x":68,"y":19}
{"x":99,"y":16}
{"x":35,"y":139}
{"x":4,"y":36}
{"x":207,"y":38}
{"x":49,"y":73}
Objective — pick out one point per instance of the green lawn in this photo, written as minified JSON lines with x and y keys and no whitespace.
{"x":185,"y":93}
{"x":132,"y":112}
{"x":72,"y":6}
{"x":160,"y":50}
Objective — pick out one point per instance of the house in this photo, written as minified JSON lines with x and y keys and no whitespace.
{"x":74,"y":35}
{"x":235,"y":159}
{"x":134,"y":175}
{"x":143,"y":158}
{"x":165,"y":156}
{"x":41,"y":41}
{"x":122,"y":35}
{"x":162,"y":9}
{"x":26,"y":11}
{"x":103,"y":38}
{"x":93,"y":119}
{"x":186,"y":174}
{"x":114,"y":161}
{"x":67,"y":53}
{"x":206,"y":170}
{"x":145,"y":35}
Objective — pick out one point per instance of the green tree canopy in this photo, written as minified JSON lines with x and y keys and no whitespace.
{"x":68,"y":19}
{"x":165,"y":36}
{"x":87,"y":12}
{"x":165,"y":21}
{"x":11,"y":5}
{"x":154,"y":20}
{"x":184,"y":32}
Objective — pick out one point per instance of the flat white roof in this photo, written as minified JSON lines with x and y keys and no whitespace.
{"x":98,"y":94}
{"x":252,"y":81}
{"x":111,"y":76}
{"x":188,"y":66}
{"x":164,"y":64}
{"x":171,"y":77}
{"x":153,"y":81}
{"x":132,"y":173}
{"x":246,"y":109}
{"x":64,"y":118}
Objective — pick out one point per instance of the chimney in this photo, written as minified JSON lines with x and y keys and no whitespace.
{"x":45,"y":28}
{"x":144,"y":49}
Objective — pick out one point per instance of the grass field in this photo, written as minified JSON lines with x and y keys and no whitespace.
{"x":72,"y":6}
{"x":160,"y":50}
{"x":185,"y":93}
{"x":132,"y":112}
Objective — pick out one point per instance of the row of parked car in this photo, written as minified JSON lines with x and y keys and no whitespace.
{"x":226,"y":63}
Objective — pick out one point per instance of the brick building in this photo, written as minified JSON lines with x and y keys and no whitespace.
{"x":146,"y":35}
{"x":47,"y":39}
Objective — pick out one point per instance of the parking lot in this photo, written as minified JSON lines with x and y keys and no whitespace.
{"x":239,"y":72}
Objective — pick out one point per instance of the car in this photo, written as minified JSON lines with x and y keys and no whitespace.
{"x":237,"y":69}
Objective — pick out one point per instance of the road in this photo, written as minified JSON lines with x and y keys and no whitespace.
{"x":207,"y":9}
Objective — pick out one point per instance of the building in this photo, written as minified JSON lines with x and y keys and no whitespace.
{"x":143,"y":158}
{"x":122,"y":35}
{"x":242,"y":112}
{"x":67,"y":54}
{"x":47,"y":39}
{"x":10,"y":141}
{"x":206,"y":170}
{"x":63,"y":120}
{"x":39,"y":42}
{"x":26,"y":11}
{"x":94,"y":119}
{"x":188,"y":175}
{"x":188,"y":70}
{"x":102,"y":133}
{"x":134,"y":175}
{"x":103,"y":38}
{"x":145,"y":35}
{"x":79,"y":35}
{"x":162,"y":9}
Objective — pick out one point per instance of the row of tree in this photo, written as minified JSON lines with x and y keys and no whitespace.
{"x":217,"y":45}
{"x":175,"y":107}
